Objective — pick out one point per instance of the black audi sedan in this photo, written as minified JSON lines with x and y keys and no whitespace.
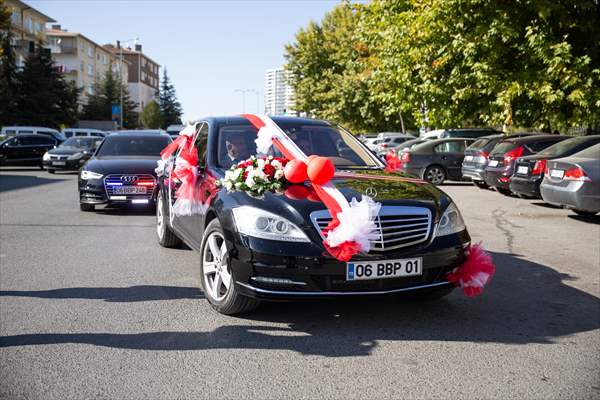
{"x":529,"y":171}
{"x":121,"y":171}
{"x":71,"y":154}
{"x":501,"y":164}
{"x":270,"y":246}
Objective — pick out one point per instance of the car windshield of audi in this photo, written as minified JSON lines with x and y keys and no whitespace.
{"x":71,"y":154}
{"x":271,"y":246}
{"x":121,"y":171}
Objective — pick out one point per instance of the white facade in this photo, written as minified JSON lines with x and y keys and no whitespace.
{"x":279,"y":95}
{"x":141,"y":94}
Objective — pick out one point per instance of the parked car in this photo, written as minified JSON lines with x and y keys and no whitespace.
{"x":391,"y":142}
{"x":173,"y":130}
{"x":436,"y":160}
{"x":32,"y":130}
{"x":371,"y":143}
{"x":502,"y":159}
{"x":529,"y":170}
{"x":71,"y":154}
{"x":476,"y":156}
{"x":459,"y":133}
{"x":574,"y":181}
{"x":25,"y":150}
{"x":243,"y":261}
{"x":73,"y":132}
{"x":121,"y":171}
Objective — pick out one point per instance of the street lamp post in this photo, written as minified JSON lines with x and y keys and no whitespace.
{"x":243,"y":92}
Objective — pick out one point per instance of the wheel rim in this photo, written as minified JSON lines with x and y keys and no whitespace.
{"x":217,"y":276}
{"x":435,"y":175}
{"x":159,"y":219}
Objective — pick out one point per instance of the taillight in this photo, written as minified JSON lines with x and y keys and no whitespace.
{"x":481,"y":157}
{"x":539,"y":167}
{"x":406,"y":157}
{"x":511,"y":155}
{"x":576,"y":174}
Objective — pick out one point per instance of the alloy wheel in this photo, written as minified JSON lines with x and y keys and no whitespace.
{"x":215,"y":268}
{"x":435,"y":175}
{"x":160,"y":228}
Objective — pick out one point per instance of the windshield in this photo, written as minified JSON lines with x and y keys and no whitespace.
{"x":565,"y":147}
{"x":503,"y":147}
{"x":132,"y":146}
{"x":236,"y":143}
{"x":479,"y":144}
{"x":81,"y":142}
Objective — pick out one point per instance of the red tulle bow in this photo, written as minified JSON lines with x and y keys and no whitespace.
{"x":475,"y":273}
{"x":393,"y":161}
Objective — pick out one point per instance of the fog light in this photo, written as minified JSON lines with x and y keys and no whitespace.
{"x":118,"y":197}
{"x":140,"y":201}
{"x":276,"y":281}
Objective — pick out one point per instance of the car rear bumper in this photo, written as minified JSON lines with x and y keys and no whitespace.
{"x":498,"y":177}
{"x":525,"y":186}
{"x":578,"y":195}
{"x":473,"y":172}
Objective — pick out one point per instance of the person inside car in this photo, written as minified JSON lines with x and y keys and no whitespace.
{"x":237,"y":149}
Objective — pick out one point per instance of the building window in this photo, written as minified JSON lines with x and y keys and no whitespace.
{"x":28,"y":24}
{"x":90,"y":70}
{"x":81,"y":66}
{"x":104,"y":59}
{"x":90,"y":89}
{"x":15,"y":17}
{"x":38,"y":27}
{"x":89,"y":51}
{"x":98,"y":56}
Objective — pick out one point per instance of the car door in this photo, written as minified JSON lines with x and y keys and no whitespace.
{"x":451,"y":155}
{"x":191,"y":226}
{"x":9,"y":153}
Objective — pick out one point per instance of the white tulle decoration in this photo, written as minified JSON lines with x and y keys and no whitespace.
{"x":189,"y":207}
{"x":160,"y":168}
{"x":264,"y":139}
{"x":357,"y":224}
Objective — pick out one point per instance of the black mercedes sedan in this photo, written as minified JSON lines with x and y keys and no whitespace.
{"x":529,"y":171}
{"x":71,"y":154}
{"x":121,"y":171}
{"x":270,"y":246}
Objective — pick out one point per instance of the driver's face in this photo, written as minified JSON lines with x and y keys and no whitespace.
{"x":236,"y":147}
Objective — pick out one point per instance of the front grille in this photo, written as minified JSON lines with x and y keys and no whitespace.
{"x":52,"y":157}
{"x":397,"y":226}
{"x":113,"y":182}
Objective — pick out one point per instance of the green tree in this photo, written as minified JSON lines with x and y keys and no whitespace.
{"x":107,"y":93}
{"x":8,"y":70}
{"x":167,"y":100}
{"x":43,"y":97}
{"x":151,"y":117}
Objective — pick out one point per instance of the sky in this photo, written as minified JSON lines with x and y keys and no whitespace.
{"x":210,"y":48}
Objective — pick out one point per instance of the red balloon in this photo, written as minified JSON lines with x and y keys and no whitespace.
{"x":295,"y":171}
{"x":320,"y":170}
{"x":297,"y":192}
{"x":309,"y":158}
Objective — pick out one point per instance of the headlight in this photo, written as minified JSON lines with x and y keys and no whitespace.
{"x":85,"y":175}
{"x":451,"y":221}
{"x":75,"y":156}
{"x":46,"y":156}
{"x":262,"y":224}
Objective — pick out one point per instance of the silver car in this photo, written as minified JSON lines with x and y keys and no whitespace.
{"x":574,"y":182}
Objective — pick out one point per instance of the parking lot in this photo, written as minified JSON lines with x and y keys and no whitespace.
{"x":91,"y":306}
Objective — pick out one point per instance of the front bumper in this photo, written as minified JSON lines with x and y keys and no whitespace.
{"x":92,"y":191}
{"x":526,"y":186}
{"x":69,"y":165}
{"x":301,"y":271}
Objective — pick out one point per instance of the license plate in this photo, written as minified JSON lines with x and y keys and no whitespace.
{"x":522,"y":170}
{"x":493,"y":163}
{"x":557,"y":173}
{"x":129,"y":190}
{"x":59,"y":163}
{"x":468,"y":158}
{"x":384,"y":269}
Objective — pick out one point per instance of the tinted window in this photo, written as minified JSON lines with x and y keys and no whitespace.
{"x":590,"y":152}
{"x":22,"y":132}
{"x":568,"y":146}
{"x":43,"y":141}
{"x":479,"y":144}
{"x":541,"y":145}
{"x":503,"y":147}
{"x":132,"y":146}
{"x":81,"y":142}
{"x":80,"y":133}
{"x":450,"y":147}
{"x":96,"y":134}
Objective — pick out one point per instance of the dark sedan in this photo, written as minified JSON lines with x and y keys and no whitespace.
{"x":121,"y":170}
{"x":436,"y":160}
{"x":503,"y":156}
{"x":71,"y":154}
{"x":25,"y":150}
{"x":529,"y":171}
{"x":271,"y":246}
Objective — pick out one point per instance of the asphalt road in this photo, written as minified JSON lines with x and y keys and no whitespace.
{"x":92,"y":307}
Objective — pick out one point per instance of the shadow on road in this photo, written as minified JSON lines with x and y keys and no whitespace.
{"x":124,"y":294}
{"x":526,"y":303}
{"x":139,"y":209}
{"x":14,"y":182}
{"x":590,"y":219}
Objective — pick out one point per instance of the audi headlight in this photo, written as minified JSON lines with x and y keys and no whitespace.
{"x":451,"y":221}
{"x":46,"y":156}
{"x":262,"y":224}
{"x":86,"y":175}
{"x":75,"y":156}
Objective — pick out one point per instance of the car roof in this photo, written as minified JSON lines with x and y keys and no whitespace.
{"x":148,"y":132}
{"x":82,"y":130}
{"x":29,"y":127}
{"x":534,"y":138}
{"x":455,"y":139}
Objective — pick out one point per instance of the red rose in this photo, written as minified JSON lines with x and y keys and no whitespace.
{"x":269,"y":170}
{"x":245,"y":175}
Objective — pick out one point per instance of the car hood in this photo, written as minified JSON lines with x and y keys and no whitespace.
{"x":63,"y":151}
{"x":387,"y":188}
{"x":122,"y":165}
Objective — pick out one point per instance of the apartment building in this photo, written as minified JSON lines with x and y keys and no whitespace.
{"x":279,"y":95}
{"x":82,"y":60}
{"x":144,"y":78}
{"x":28,"y":26}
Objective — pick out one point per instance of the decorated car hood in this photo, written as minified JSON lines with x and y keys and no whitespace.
{"x":122,"y":165}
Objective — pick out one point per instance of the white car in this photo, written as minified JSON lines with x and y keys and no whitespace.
{"x":72,"y":132}
{"x":32,"y":130}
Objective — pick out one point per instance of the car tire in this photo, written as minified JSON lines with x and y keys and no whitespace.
{"x":50,"y":171}
{"x":86,"y":207}
{"x":166,"y":237}
{"x":435,"y":174}
{"x":503,"y":191}
{"x":215,"y":271}
{"x":585,"y":213}
{"x":481,"y":184}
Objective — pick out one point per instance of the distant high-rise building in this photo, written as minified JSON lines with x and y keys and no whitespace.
{"x":279,"y":95}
